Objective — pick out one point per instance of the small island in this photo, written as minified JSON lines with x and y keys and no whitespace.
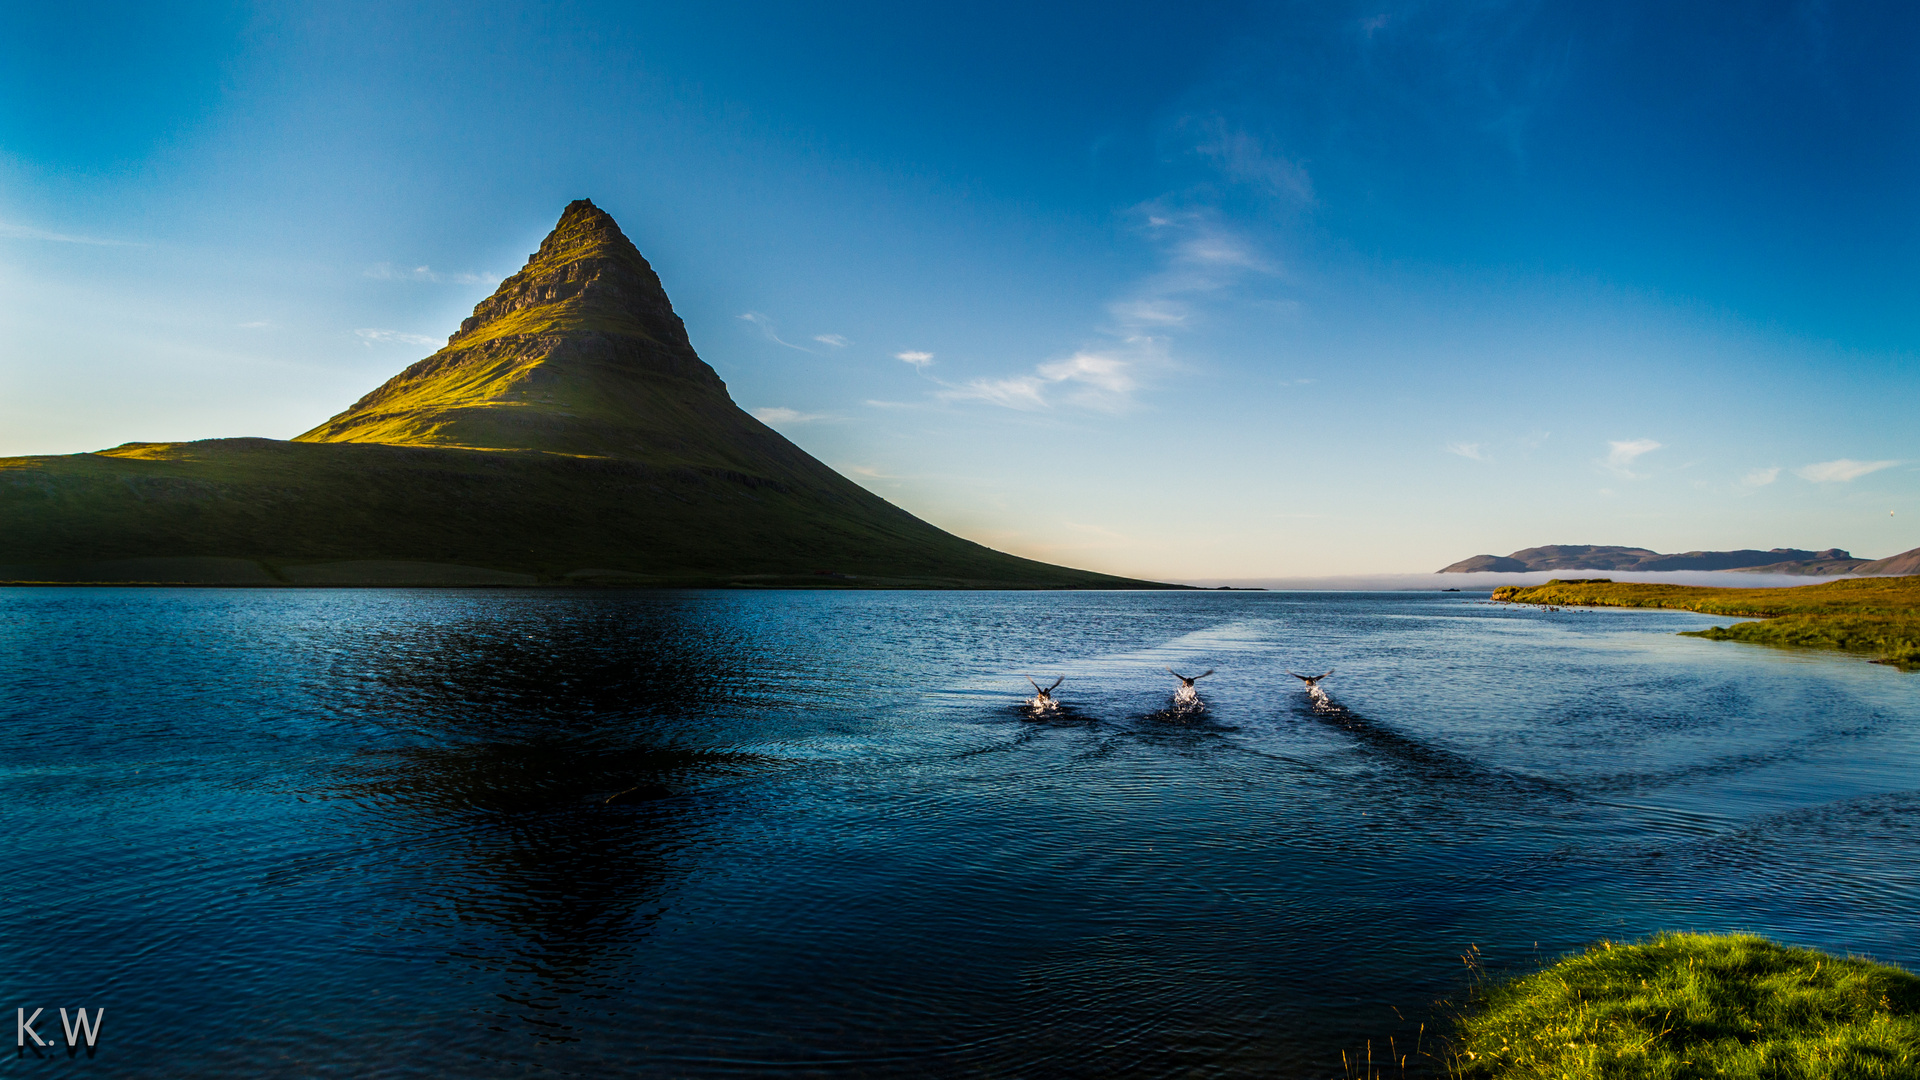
{"x":1878,"y":616}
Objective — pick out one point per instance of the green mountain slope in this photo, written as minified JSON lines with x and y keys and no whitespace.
{"x":568,"y":433}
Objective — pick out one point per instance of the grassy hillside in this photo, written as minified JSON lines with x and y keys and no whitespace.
{"x":1695,"y":1005}
{"x":273,"y":511}
{"x":1880,"y":616}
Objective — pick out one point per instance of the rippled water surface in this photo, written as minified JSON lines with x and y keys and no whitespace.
{"x":293,"y":833}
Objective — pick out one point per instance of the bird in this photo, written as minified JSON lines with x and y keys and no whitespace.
{"x":1043,"y":698}
{"x":1314,"y":692}
{"x":1186,"y":695}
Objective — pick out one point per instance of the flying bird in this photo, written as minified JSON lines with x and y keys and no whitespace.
{"x":1312,"y":681}
{"x":1186,"y":695}
{"x":1186,"y":683}
{"x":1043,"y":699}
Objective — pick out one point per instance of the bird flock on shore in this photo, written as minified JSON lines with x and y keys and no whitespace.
{"x":1186,"y":699}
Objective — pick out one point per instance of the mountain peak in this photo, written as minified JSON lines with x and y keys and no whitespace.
{"x":580,"y":352}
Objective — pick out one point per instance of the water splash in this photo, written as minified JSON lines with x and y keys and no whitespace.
{"x":1185,"y":698}
{"x":1321,"y":702}
{"x":1042,"y":701}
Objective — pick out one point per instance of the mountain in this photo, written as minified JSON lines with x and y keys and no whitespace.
{"x":1907,"y":562}
{"x":567,"y":433}
{"x":1832,"y":561}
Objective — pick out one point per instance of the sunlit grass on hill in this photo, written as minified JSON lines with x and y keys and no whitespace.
{"x":1880,"y":616}
{"x":1681,"y":1006}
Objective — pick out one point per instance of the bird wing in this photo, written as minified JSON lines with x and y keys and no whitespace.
{"x":1204,"y":674}
{"x":1036,"y":685}
{"x":1177,"y":675}
{"x":1055,"y":686}
{"x":1319,"y":677}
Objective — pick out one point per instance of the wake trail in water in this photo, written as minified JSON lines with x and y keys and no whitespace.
{"x":1430,"y":762}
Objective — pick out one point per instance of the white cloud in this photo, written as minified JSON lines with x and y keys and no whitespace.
{"x":1840,"y":471}
{"x":27,"y":232}
{"x":1761,"y":477}
{"x":395,"y":336}
{"x":766,"y":330}
{"x":390,"y":272}
{"x":1102,"y":381}
{"x":1621,"y":454}
{"x":834,"y":340}
{"x":780,"y":414}
{"x":1474,"y":450}
{"x":1103,"y":372}
{"x":921,"y":360}
{"x":257,"y":324}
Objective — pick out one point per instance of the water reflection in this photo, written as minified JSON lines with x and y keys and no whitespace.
{"x":508,"y":738}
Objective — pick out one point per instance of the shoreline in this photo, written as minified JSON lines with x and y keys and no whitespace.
{"x":1876,"y":615}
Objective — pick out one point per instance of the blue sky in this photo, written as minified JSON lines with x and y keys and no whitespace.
{"x":1186,"y":291}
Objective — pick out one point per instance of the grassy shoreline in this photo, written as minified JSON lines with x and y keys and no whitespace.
{"x":1876,"y":616}
{"x":1694,"y":1005}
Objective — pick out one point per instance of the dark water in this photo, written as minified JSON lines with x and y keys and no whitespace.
{"x":287,"y":833}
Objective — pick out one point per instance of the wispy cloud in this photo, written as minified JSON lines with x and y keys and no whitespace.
{"x":1621,"y":454}
{"x":1473,"y":450}
{"x":1102,"y":381}
{"x":1840,"y":471}
{"x":1242,"y":158}
{"x":257,"y":324}
{"x":780,"y":414}
{"x":28,"y":232}
{"x":834,"y":340}
{"x":920,"y":360}
{"x":1150,"y":311}
{"x":1200,"y":257}
{"x":1019,"y":392}
{"x":390,"y":272}
{"x":1221,"y":249}
{"x":394,"y":336}
{"x":1760,"y":477}
{"x":766,"y":330}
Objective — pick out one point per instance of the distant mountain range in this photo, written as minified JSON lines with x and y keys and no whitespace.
{"x":1830,"y":562}
{"x":566,"y":434}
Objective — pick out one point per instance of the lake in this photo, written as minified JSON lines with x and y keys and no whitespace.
{"x":364,"y":832}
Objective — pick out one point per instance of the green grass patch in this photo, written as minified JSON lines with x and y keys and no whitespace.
{"x":1878,"y":616}
{"x":1695,"y":1005}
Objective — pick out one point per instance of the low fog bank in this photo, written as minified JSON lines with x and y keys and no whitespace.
{"x":1726,"y":579}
